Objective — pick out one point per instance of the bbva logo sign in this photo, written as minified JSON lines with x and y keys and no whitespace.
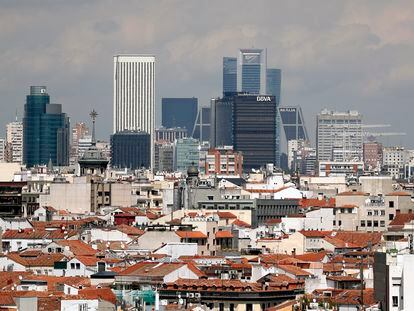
{"x":263,"y":99}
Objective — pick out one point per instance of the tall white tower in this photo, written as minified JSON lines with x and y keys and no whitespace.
{"x":134,"y":95}
{"x":15,"y":140}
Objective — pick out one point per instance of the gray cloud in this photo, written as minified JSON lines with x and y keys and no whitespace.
{"x":336,"y":54}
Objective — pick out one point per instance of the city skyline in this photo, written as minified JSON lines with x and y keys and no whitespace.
{"x":354,"y":56}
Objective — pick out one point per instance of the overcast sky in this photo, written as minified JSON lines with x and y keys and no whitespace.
{"x":336,"y":54}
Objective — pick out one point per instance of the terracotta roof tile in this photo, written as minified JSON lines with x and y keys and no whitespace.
{"x":226,"y":215}
{"x":294,"y":270}
{"x":191,"y":234}
{"x":402,"y":219}
{"x":399,"y":194}
{"x":130,"y":230}
{"x":317,"y":202}
{"x":241,"y":223}
{"x":78,"y":248}
{"x":223,"y":234}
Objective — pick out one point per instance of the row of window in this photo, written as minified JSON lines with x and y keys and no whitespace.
{"x":370,"y":223}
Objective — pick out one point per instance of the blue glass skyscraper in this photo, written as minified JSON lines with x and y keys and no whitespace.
{"x":251,"y":71}
{"x":274,"y":83}
{"x":179,"y":112}
{"x":45,"y":130}
{"x":229,"y":76}
{"x":273,"y":86}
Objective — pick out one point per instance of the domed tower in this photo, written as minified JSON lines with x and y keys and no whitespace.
{"x":93,"y":162}
{"x":192,"y":175}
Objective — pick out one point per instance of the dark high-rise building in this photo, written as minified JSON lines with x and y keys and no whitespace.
{"x":45,"y":130}
{"x":201,"y":129}
{"x":254,"y":129}
{"x":179,"y":112}
{"x":131,"y":149}
{"x":229,"y":75}
{"x":221,"y":122}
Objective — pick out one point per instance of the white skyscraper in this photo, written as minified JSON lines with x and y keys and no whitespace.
{"x":134,"y":94}
{"x":339,"y":136}
{"x":15,"y":140}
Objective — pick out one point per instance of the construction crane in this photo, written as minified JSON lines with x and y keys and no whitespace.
{"x":371,"y":136}
{"x":367,"y":126}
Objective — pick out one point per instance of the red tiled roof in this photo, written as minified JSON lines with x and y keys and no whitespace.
{"x":399,"y":194}
{"x":78,"y":248}
{"x":329,"y":202}
{"x":401,"y":219}
{"x":343,"y":278}
{"x":226,"y":215}
{"x":359,"y":238}
{"x":312,"y":257}
{"x":45,"y":260}
{"x":102,"y":293}
{"x":130,"y":230}
{"x":132,"y":211}
{"x":294,"y":270}
{"x":270,"y":258}
{"x":195,"y":270}
{"x":6,"y":300}
{"x":338,"y":243}
{"x":191,"y":234}
{"x":88,"y":261}
{"x":241,"y":223}
{"x":315,"y":233}
{"x":224,"y":234}
{"x":273,"y":221}
{"x":38,"y":234}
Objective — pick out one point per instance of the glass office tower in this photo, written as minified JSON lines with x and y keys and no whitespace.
{"x":179,"y":112}
{"x":273,"y":86}
{"x":45,"y":130}
{"x":254,"y":129}
{"x":251,"y":71}
{"x":229,"y":75}
{"x":131,"y":149}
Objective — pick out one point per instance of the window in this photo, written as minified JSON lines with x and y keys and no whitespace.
{"x":375,"y":223}
{"x":339,"y":222}
{"x":395,"y":301}
{"x":72,"y":265}
{"x":77,"y":266}
{"x":382,"y":223}
{"x":375,"y":213}
{"x":334,"y":222}
{"x":390,"y":216}
{"x":369,"y":223}
{"x":362,"y":223}
{"x":391,"y":204}
{"x":83,"y":307}
{"x":382,"y":212}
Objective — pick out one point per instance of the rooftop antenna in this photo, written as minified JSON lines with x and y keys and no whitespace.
{"x":16,"y":114}
{"x":93,"y":116}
